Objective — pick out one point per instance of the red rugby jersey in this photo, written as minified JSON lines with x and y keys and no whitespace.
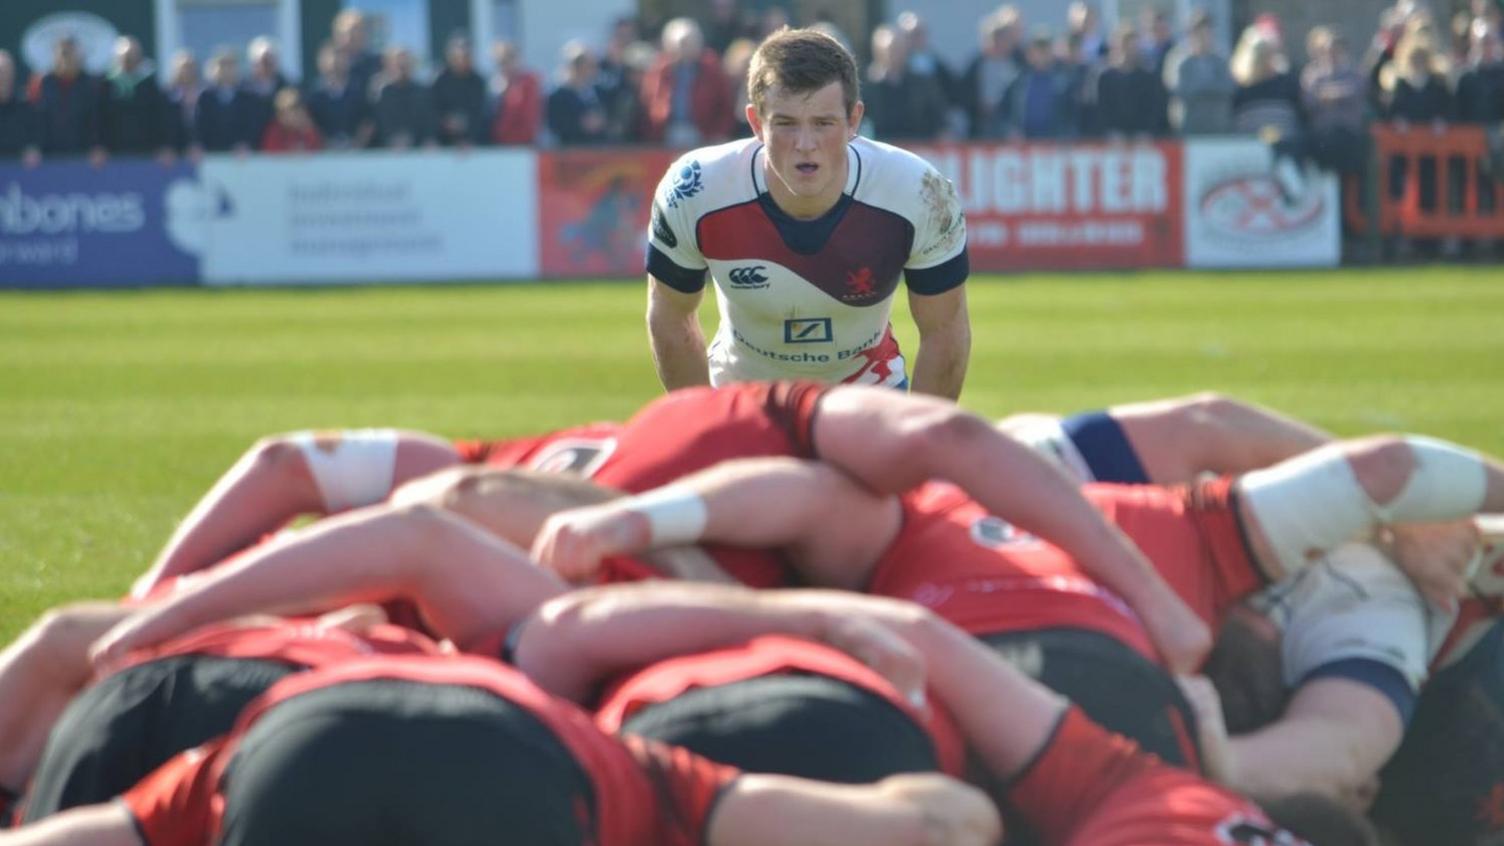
{"x":984,"y":575}
{"x":769,"y":656}
{"x":1089,"y":787}
{"x":646,"y":794}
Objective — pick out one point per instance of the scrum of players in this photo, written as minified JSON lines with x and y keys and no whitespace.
{"x":791,"y":613}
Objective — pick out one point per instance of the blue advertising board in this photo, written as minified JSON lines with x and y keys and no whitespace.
{"x":69,"y":225}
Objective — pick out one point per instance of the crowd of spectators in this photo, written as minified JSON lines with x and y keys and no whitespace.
{"x":1144,"y":79}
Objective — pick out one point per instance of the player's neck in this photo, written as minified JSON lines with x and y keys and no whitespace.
{"x":807,"y":207}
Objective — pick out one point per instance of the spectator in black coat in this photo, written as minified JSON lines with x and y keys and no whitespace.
{"x":1480,"y":89}
{"x":1418,"y":90}
{"x":611,"y":77}
{"x":138,"y":119}
{"x":404,"y":108}
{"x":20,"y":127}
{"x":1268,"y":100}
{"x":1158,"y":39}
{"x":341,"y":111}
{"x":225,"y":119}
{"x":71,"y":105}
{"x":263,"y":84}
{"x":459,"y":97}
{"x":351,"y":37}
{"x":1417,"y":95}
{"x":990,"y":75}
{"x":902,"y":106}
{"x":182,"y":92}
{"x":1130,"y":98}
{"x":929,"y":71}
{"x":576,"y":113}
{"x":1480,"y":101}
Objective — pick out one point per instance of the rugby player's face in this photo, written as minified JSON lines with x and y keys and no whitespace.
{"x":805,"y":135}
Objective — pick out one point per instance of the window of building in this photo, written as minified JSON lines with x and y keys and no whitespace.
{"x":400,"y":23}
{"x":204,"y":26}
{"x":493,"y":21}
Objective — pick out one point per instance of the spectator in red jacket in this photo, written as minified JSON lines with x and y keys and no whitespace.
{"x":291,"y":129}
{"x":519,"y":98}
{"x":685,"y":93}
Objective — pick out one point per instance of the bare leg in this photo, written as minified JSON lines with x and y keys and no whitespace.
{"x":1346,"y":490}
{"x":269,"y":486}
{"x":39,"y":675}
{"x":1177,"y":439}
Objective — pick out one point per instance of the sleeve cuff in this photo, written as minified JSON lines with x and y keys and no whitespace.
{"x":942,"y":277}
{"x":682,"y":279}
{"x":1378,"y":675}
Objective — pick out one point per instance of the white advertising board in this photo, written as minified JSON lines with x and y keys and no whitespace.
{"x":1237,"y":214}
{"x":366,"y":217}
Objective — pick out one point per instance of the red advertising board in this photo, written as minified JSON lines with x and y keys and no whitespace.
{"x":1050,"y":206}
{"x":593,"y":208}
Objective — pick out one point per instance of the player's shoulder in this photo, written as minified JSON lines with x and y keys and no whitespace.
{"x":898,"y":179}
{"x":884,"y":166}
{"x":711,"y":177}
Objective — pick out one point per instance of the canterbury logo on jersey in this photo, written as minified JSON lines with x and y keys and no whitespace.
{"x":749,"y":277}
{"x":661,"y":230}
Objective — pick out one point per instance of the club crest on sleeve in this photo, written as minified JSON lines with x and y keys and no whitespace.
{"x":687,"y":183}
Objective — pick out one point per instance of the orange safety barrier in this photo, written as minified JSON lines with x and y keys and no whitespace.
{"x":1458,"y":155}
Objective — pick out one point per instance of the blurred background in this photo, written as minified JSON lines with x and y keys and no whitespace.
{"x":232,"y":142}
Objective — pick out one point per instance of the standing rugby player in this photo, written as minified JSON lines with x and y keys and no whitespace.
{"x":805,"y":229}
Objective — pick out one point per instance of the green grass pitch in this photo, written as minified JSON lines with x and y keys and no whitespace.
{"x":118,"y":409}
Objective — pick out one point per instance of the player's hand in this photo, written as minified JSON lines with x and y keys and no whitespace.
{"x":355,"y":619}
{"x":1436,"y":557}
{"x":1182,"y":638}
{"x":884,"y":651}
{"x":573,"y":543}
{"x":950,"y":813}
{"x":1211,"y":729}
{"x":146,"y":627}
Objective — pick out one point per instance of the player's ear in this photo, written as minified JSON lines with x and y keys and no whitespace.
{"x":854,"y":122}
{"x":754,"y":120}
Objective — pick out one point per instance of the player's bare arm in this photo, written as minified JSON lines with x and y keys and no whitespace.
{"x":513,"y":503}
{"x":833,"y":529}
{"x":574,"y":641}
{"x":674,"y":333}
{"x":91,"y":825}
{"x":892,"y":442}
{"x":907,"y":810}
{"x":970,"y":678}
{"x":468,"y":583}
{"x":944,"y":342}
{"x":284,"y":476}
{"x":39,"y":674}
{"x":1332,"y":740}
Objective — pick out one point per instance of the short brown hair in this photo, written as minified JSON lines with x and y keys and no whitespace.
{"x":801,"y":61}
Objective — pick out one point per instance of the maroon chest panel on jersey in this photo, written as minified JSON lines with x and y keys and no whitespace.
{"x":859,"y":264}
